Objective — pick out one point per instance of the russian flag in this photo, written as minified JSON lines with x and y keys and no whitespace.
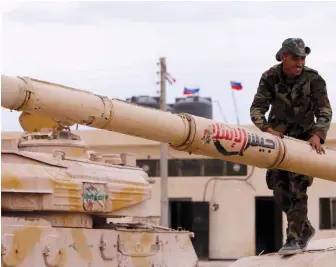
{"x":236,"y":85}
{"x":187,"y":91}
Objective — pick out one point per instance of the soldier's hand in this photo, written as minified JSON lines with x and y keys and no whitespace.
{"x":315,"y":143}
{"x":276,"y":133}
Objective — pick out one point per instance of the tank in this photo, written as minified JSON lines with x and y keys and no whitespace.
{"x":319,"y":253}
{"x":194,"y":105}
{"x":58,"y":197}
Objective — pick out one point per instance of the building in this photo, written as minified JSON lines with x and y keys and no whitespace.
{"x":228,"y":206}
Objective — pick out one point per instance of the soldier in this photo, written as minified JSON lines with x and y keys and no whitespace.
{"x":296,"y":94}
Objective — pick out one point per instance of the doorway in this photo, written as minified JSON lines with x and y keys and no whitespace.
{"x":192,"y":216}
{"x":268,"y":221}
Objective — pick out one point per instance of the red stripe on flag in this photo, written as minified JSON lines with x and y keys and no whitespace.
{"x":235,"y":87}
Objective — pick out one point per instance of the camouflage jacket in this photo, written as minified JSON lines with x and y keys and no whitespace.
{"x":293,"y":107}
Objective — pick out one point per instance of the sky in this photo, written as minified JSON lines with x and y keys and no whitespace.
{"x":112,"y":48}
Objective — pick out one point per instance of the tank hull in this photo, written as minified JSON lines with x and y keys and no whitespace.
{"x":318,"y":253}
{"x":35,"y":242}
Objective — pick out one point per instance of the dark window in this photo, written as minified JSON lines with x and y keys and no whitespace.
{"x":213,"y":167}
{"x":174,"y":167}
{"x":193,"y":167}
{"x":268,"y":225}
{"x":327,"y":213}
{"x":235,"y":169}
{"x":184,"y":167}
{"x":151,"y":166}
{"x":200,"y":226}
{"x":192,"y":216}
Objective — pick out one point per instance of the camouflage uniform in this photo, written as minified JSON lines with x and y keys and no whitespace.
{"x":294,"y":102}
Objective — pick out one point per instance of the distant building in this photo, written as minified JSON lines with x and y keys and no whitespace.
{"x":195,"y":105}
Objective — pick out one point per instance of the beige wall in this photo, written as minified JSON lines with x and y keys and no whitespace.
{"x":232,"y":226}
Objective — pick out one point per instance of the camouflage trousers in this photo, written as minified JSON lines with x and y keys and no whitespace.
{"x":290,"y":193}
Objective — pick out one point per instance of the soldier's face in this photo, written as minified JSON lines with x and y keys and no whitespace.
{"x":293,"y":64}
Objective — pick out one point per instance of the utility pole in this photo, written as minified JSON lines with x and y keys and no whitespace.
{"x":164,"y":149}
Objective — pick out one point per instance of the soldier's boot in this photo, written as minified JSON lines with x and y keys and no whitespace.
{"x":292,"y":246}
{"x":307,"y":234}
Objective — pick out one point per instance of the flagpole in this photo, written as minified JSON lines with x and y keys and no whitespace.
{"x":235,"y":106}
{"x":220,"y":110}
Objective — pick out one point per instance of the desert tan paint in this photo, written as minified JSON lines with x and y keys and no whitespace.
{"x":319,"y":253}
{"x":9,"y":180}
{"x":182,"y":131}
{"x":61,"y":189}
{"x":35,"y":243}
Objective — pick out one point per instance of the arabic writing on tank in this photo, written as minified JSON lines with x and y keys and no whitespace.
{"x":238,"y":139}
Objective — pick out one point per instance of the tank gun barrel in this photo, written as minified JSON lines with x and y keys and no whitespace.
{"x":183,"y":131}
{"x":82,"y":107}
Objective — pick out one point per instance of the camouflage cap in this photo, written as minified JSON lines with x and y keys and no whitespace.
{"x":295,"y":46}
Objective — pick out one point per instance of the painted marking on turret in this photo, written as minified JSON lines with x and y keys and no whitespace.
{"x":94,"y":196}
{"x":238,"y":136}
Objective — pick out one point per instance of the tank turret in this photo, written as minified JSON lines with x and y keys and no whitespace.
{"x":48,"y":140}
{"x":56,"y":165}
{"x":57,"y":195}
